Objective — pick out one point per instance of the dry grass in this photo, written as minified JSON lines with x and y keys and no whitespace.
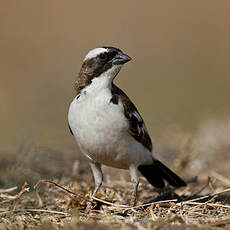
{"x":60,"y":203}
{"x":54,"y":206}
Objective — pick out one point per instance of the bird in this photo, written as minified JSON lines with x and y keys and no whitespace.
{"x":107,"y":126}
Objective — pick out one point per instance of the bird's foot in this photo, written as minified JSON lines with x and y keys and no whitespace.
{"x":92,"y":205}
{"x":133,"y":201}
{"x":89,"y":207}
{"x":134,"y":198}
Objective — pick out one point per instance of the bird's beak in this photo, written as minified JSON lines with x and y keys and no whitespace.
{"x":121,"y":59}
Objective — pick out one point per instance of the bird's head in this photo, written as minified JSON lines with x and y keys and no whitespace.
{"x":104,"y":62}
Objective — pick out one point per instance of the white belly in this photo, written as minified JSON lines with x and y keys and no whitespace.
{"x":101,"y":131}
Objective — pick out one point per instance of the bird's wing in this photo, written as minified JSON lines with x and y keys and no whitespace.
{"x":137,"y":127}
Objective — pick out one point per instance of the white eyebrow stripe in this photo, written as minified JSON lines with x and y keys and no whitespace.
{"x":95,"y":52}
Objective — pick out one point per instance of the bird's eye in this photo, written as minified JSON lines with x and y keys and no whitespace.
{"x":103,"y":56}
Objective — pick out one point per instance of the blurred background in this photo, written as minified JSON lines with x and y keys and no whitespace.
{"x":179,"y":77}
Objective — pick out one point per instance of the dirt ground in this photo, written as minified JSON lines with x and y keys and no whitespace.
{"x":64,"y":185}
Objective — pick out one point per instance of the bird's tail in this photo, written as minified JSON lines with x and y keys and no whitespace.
{"x":158,"y":172}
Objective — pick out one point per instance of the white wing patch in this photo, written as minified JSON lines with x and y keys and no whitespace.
{"x":137,"y":122}
{"x":136,"y":114}
{"x":95,"y":52}
{"x":140,"y":122}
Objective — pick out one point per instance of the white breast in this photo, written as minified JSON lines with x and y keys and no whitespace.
{"x":97,"y":124}
{"x":101,"y":130}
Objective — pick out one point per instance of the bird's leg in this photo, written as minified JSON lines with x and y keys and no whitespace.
{"x":98,"y":177}
{"x":135,"y":180}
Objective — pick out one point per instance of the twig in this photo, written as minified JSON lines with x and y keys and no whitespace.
{"x":8,"y":189}
{"x":202,"y":187}
{"x":209,"y":204}
{"x":224,"y":191}
{"x":210,"y":184}
{"x":204,"y":197}
{"x":61,"y":187}
{"x":25,"y":189}
{"x":201,"y":204}
{"x":155,"y":202}
{"x":221,"y":178}
{"x":36,"y":210}
{"x":126,"y":207}
{"x":111,"y":204}
{"x":40,"y":201}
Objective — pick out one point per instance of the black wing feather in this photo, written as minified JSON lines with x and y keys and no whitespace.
{"x":136,"y":124}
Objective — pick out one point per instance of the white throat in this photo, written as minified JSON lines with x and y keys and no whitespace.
{"x":103,"y":81}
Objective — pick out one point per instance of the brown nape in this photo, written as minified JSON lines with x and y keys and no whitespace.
{"x":90,"y":69}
